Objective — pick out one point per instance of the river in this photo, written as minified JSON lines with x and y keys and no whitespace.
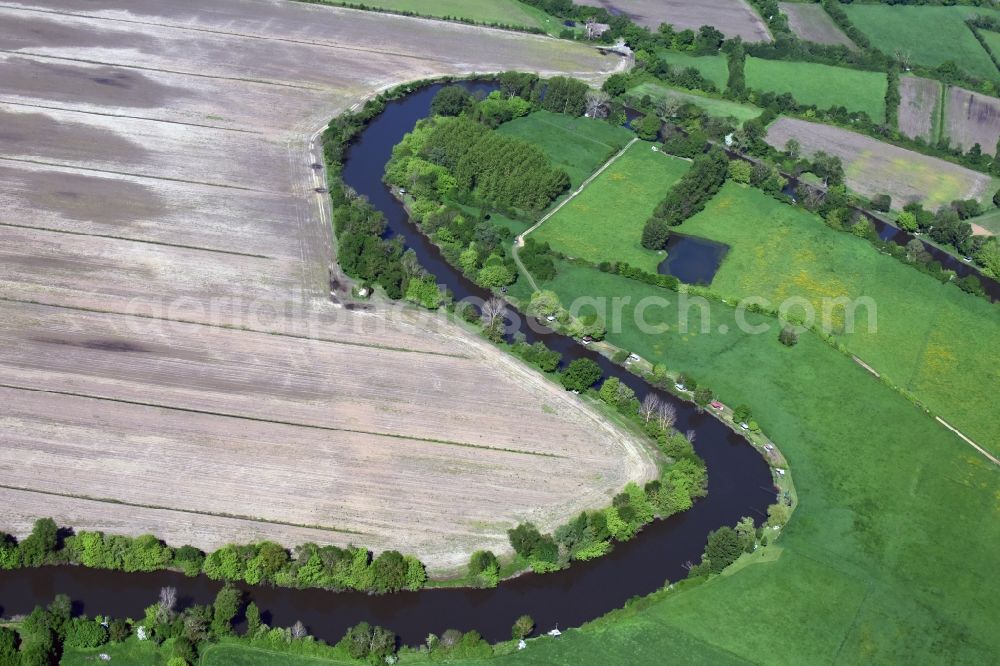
{"x":739,"y":485}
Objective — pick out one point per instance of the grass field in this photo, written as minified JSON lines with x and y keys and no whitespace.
{"x":720,"y":108}
{"x":928,"y":35}
{"x":577,"y":145}
{"x":889,"y":557}
{"x":822,"y":85}
{"x":932,"y":339}
{"x":132,"y":652}
{"x":507,"y":12}
{"x":714,"y":68}
{"x":604,"y":222}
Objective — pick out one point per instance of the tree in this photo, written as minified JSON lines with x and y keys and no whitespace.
{"x":723,"y":548}
{"x":389,"y":570}
{"x":598,"y":103}
{"x":484,"y":567}
{"x":227,"y":605}
{"x":523,"y":627}
{"x":253,"y":619}
{"x":666,"y":416}
{"x":882,"y":203}
{"x":617,"y":84}
{"x":788,"y":336}
{"x":166,"y":605}
{"x":581,"y":374}
{"x":703,"y":396}
{"x":364,"y":640}
{"x":298,"y":630}
{"x":8,"y":647}
{"x":452,"y":100}
{"x":649,"y":127}
{"x":740,"y":171}
{"x":84,"y":633}
{"x":41,"y":544}
{"x":742,"y":414}
{"x":747,"y":533}
{"x":118,"y":630}
{"x":493,"y":276}
{"x":907,"y":221}
{"x":793,"y":148}
{"x":649,"y":407}
{"x":655,"y":234}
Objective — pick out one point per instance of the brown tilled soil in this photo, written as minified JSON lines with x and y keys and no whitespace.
{"x":919,"y":102}
{"x":873,"y":167}
{"x":170,"y":359}
{"x":813,"y":24}
{"x":732,"y":17}
{"x":973,"y":118}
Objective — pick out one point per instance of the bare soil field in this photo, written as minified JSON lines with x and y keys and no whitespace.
{"x":812,"y":24}
{"x":873,"y":167}
{"x":172,"y":361}
{"x":732,"y":17}
{"x":973,"y":118}
{"x":919,"y":107}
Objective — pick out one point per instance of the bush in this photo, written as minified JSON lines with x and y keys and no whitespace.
{"x":84,"y":633}
{"x":788,"y":336}
{"x":581,"y":374}
{"x":882,"y":203}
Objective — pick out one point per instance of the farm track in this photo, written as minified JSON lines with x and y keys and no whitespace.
{"x":171,"y":360}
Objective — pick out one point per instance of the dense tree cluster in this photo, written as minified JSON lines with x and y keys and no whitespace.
{"x":310,"y":565}
{"x":688,"y":196}
{"x":445,"y":156}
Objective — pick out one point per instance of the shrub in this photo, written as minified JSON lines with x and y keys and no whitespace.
{"x":581,"y":374}
{"x":788,"y":336}
{"x":882,"y":203}
{"x":84,"y":633}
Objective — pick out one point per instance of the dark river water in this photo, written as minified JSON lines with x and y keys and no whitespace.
{"x":739,"y":485}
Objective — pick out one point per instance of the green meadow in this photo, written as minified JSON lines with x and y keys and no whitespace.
{"x":720,"y":108}
{"x":929,"y":35}
{"x":604,"y":222}
{"x":714,"y":68}
{"x":822,"y":85}
{"x":932,"y":339}
{"x":869,"y":571}
{"x":577,"y":145}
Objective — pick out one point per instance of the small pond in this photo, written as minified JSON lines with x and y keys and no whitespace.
{"x":693,"y":260}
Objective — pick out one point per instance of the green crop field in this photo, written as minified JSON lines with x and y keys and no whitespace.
{"x":507,"y":12}
{"x":934,"y":340}
{"x":714,"y":68}
{"x":928,"y":35}
{"x":720,"y":108}
{"x":822,"y":85}
{"x":577,"y":145}
{"x":604,"y":223}
{"x":869,"y":571}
